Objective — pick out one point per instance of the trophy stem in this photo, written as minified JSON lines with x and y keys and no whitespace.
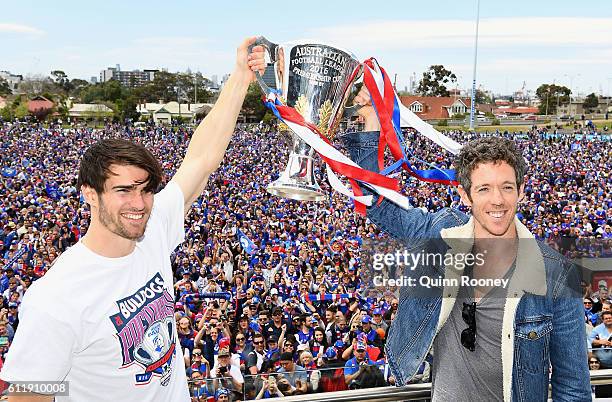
{"x":298,"y":181}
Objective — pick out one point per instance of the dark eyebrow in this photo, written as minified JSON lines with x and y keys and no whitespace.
{"x":130,"y":186}
{"x":487,"y":184}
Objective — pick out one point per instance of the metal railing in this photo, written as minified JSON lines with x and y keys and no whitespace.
{"x":406,"y":393}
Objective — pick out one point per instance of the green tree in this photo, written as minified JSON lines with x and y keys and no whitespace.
{"x":590,"y":102}
{"x":252,"y":106}
{"x":77,"y":85}
{"x":434,"y":81}
{"x":189,"y":83}
{"x":61,"y":80}
{"x":126,"y":109}
{"x":21,"y":111}
{"x":5,"y":89}
{"x":482,"y":98}
{"x":162,"y":87}
{"x":6,"y":113}
{"x":106,"y":91}
{"x":551,"y":95}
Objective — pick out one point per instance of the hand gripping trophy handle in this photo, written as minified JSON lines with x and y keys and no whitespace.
{"x":315,"y":79}
{"x":271,"y":48}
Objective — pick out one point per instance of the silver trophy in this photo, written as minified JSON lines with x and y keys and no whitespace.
{"x":315,"y":79}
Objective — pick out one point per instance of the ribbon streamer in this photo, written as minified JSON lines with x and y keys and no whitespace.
{"x":392,"y":116}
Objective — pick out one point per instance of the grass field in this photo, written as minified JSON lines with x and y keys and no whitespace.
{"x":480,"y":129}
{"x":489,"y":128}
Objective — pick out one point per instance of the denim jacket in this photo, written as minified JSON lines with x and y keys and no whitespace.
{"x":543,"y":321}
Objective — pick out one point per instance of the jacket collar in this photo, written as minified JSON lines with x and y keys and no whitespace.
{"x":530,"y":273}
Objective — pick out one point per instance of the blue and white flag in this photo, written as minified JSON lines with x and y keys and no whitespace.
{"x":9,"y":171}
{"x":19,"y":253}
{"x":245,"y":242}
{"x":53,"y":191}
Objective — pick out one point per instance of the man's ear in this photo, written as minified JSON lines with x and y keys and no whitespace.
{"x":465,"y":197}
{"x":90,"y":195}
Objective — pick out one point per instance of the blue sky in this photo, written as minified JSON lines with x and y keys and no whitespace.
{"x":535,"y":42}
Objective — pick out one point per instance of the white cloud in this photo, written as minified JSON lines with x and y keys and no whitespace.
{"x":171,"y":41}
{"x":19,"y":28}
{"x":493,"y":32}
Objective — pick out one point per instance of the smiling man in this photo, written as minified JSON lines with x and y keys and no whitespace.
{"x":102,"y":318}
{"x":490,"y":344}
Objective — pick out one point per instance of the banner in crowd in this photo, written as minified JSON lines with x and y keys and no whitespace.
{"x":246,"y":243}
{"x":19,"y":253}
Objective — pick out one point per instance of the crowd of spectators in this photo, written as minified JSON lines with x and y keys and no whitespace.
{"x":269,"y":297}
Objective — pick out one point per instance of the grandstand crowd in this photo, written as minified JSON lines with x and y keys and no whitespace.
{"x":269,"y":299}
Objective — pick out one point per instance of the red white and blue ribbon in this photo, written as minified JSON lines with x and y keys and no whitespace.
{"x":320,"y":297}
{"x":392,"y":116}
{"x":337,"y":162}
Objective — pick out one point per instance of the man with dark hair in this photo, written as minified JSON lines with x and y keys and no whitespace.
{"x":102,"y":318}
{"x":257,"y":356}
{"x":296,"y":375}
{"x":513,"y":333}
{"x":601,"y":340}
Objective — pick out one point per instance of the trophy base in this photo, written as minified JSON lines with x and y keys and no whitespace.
{"x":297,"y":192}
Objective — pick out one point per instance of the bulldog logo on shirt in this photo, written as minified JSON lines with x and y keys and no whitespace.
{"x":145,"y":331}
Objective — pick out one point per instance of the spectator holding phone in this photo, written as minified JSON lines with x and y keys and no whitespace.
{"x":224,"y":373}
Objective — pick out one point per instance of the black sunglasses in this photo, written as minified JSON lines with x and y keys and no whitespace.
{"x":468,"y":335}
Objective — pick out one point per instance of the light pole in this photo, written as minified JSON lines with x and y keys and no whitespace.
{"x":473,"y":100}
{"x":571,"y":78}
{"x":608,"y":97}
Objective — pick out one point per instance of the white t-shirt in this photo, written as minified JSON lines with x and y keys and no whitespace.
{"x":106,"y":325}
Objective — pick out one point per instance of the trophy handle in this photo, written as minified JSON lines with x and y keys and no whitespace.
{"x":271,"y":48}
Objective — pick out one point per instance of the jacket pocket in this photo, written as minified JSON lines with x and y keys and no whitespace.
{"x":531,"y":342}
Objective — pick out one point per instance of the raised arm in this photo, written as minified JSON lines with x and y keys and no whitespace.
{"x":210,"y":140}
{"x":399,"y":222}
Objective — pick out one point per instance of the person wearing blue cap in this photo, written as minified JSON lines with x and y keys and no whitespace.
{"x":378,"y":321}
{"x":222,"y":395}
{"x":371,"y":335}
{"x":355,"y":368}
{"x":332,"y":371}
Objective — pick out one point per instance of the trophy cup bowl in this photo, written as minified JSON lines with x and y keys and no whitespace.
{"x":315,"y":79}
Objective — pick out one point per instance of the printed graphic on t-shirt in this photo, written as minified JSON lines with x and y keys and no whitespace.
{"x":145,"y":332}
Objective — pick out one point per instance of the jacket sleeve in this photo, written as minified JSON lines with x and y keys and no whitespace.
{"x":398,"y":222}
{"x":568,"y":349}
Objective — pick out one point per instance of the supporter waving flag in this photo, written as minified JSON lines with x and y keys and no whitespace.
{"x":246,"y":243}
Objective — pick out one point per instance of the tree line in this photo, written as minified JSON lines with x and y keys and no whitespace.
{"x":122,"y":100}
{"x":186,"y":87}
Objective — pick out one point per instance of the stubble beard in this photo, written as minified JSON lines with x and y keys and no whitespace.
{"x":114,"y":224}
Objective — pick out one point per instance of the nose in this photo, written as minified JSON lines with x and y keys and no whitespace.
{"x":138,"y":200}
{"x":497,"y":197}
